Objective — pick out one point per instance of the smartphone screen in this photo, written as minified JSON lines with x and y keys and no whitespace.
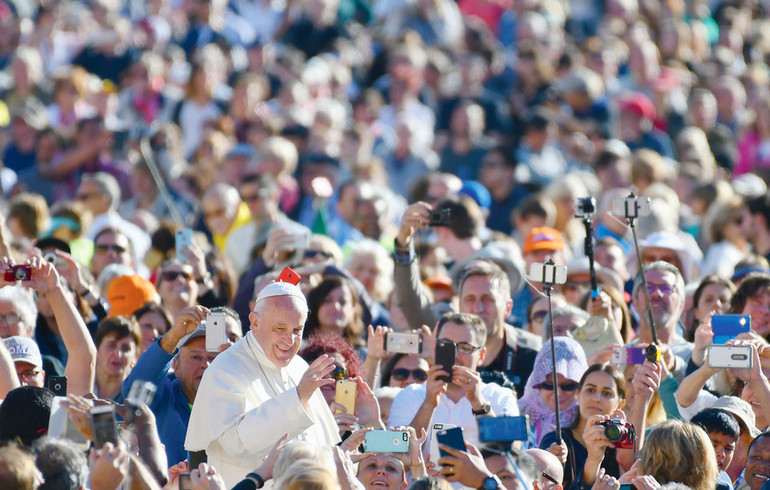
{"x":104,"y":425}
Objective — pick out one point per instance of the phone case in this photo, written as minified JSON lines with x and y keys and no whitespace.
{"x":57,"y":384}
{"x":627,"y":355}
{"x":386,"y":441}
{"x":452,"y":438}
{"x":728,"y":327}
{"x":345,"y":395}
{"x":503,"y":429}
{"x":445,"y":356}
{"x":104,"y":425}
{"x":183,"y":238}
{"x":215,"y":330}
{"x":730,"y":356}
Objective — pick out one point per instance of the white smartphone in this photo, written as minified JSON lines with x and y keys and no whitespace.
{"x":182,"y":239}
{"x":216,"y":333}
{"x":550,"y":273}
{"x":730,"y":356}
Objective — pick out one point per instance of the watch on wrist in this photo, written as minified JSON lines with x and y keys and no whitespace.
{"x":490,"y":483}
{"x":484,"y":410}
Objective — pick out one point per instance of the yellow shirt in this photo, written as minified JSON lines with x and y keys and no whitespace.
{"x":241,"y":218}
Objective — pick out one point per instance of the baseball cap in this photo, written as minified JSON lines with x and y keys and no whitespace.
{"x":638,"y":103}
{"x":24,"y":349}
{"x":543,"y":238}
{"x":127,"y":293}
{"x":198,"y":332}
{"x":476,"y":191}
{"x":741,"y":410}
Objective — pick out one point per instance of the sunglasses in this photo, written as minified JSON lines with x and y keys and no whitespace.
{"x":310,"y":254}
{"x":174,"y":275}
{"x":564,"y":387}
{"x":402,"y":374}
{"x":339,"y":373}
{"x":111,"y":248}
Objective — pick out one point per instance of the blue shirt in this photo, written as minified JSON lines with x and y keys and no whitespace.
{"x":169,"y":405}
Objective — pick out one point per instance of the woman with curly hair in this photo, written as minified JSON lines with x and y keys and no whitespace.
{"x":334,"y":308}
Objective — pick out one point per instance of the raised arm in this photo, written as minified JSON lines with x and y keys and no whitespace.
{"x":8,"y":378}
{"x":693,"y":384}
{"x":81,"y":361}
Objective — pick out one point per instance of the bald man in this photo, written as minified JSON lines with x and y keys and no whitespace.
{"x":551,"y":470}
{"x":223,"y":211}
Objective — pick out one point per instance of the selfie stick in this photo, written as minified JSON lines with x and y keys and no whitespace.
{"x":548,"y":287}
{"x":588,"y":247}
{"x":652,"y":353}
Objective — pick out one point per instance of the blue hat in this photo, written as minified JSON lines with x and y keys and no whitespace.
{"x":476,"y":191}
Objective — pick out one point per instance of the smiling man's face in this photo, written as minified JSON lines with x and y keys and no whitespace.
{"x":758,"y":465}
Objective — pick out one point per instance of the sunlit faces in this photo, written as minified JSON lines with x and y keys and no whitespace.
{"x":381,"y":471}
{"x":724,"y":447}
{"x":758,"y":307}
{"x":115,"y":356}
{"x":11,"y":322}
{"x":176,"y":284}
{"x":190,"y":363}
{"x":500,"y":466}
{"x":29,"y":374}
{"x":599,"y":395}
{"x":567,"y":391}
{"x":666,"y":301}
{"x":152,"y":325}
{"x":757,"y":470}
{"x":364,"y":268}
{"x":655,"y":254}
{"x":277,"y":325}
{"x":408,"y":370}
{"x":478,"y":296}
{"x":748,"y":395}
{"x":110,"y":248}
{"x":564,"y":325}
{"x":337,"y":311}
{"x":713,"y":297}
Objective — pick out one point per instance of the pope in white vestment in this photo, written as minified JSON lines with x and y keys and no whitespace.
{"x":249,"y":397}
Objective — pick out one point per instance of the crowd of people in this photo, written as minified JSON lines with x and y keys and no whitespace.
{"x":276,"y":218}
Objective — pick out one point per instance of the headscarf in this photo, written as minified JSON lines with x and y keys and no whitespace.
{"x":570,"y":363}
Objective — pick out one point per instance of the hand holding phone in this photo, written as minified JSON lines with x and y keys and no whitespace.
{"x":451,"y":437}
{"x":216,"y":332}
{"x":183,"y":239}
{"x":445,"y":357}
{"x":104,"y":425}
{"x":386,"y":441}
{"x":345,"y":395}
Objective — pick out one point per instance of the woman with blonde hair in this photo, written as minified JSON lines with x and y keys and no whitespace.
{"x":675,"y":451}
{"x":727,"y":237}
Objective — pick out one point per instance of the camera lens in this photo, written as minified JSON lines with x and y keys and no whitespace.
{"x":614,"y":432}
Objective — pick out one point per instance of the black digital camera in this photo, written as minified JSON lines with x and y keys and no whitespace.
{"x":441,"y":217}
{"x":619,"y":432}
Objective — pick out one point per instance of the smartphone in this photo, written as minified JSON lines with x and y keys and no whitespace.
{"x":183,"y":239}
{"x":728,"y":327}
{"x":288,"y":275}
{"x":104,"y":425}
{"x":141,"y":393}
{"x":184,"y":482}
{"x":549,"y":273}
{"x":57,"y":384}
{"x":451,"y":437}
{"x":386,"y":441}
{"x":445,"y":357}
{"x":627,"y":355}
{"x":503,"y":429}
{"x":345,"y":395}
{"x":60,"y":425}
{"x":627,"y":486}
{"x":730,"y":356}
{"x":403,"y":342}
{"x":433,"y":440}
{"x":216,"y":334}
{"x":631,"y":207}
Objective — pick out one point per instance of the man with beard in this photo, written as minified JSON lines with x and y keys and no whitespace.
{"x":666,"y":288}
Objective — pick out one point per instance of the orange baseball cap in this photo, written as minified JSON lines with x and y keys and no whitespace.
{"x":543,"y":238}
{"x":126,"y":294}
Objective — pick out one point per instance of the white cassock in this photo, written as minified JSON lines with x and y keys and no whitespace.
{"x":245,"y":403}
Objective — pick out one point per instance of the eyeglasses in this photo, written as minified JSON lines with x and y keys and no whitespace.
{"x":109,"y":248}
{"x":665,"y":289}
{"x":174,"y":275}
{"x":552,"y":481}
{"x":339,"y":373}
{"x":27,"y":375}
{"x":564,"y":387}
{"x":309,"y":254}
{"x":85,"y":196}
{"x":467,"y":347}
{"x":539,"y":316}
{"x":402,"y":374}
{"x":10,"y":319}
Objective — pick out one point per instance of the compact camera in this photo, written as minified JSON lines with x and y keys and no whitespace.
{"x":584,"y":207}
{"x":19,"y":273}
{"x":619,"y":432}
{"x":403,"y":342}
{"x":440,"y":217}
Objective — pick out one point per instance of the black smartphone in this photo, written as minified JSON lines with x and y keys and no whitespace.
{"x":451,"y":437}
{"x":445,"y":357}
{"x":104,"y":425}
{"x":184,"y":482}
{"x":57,"y":384}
